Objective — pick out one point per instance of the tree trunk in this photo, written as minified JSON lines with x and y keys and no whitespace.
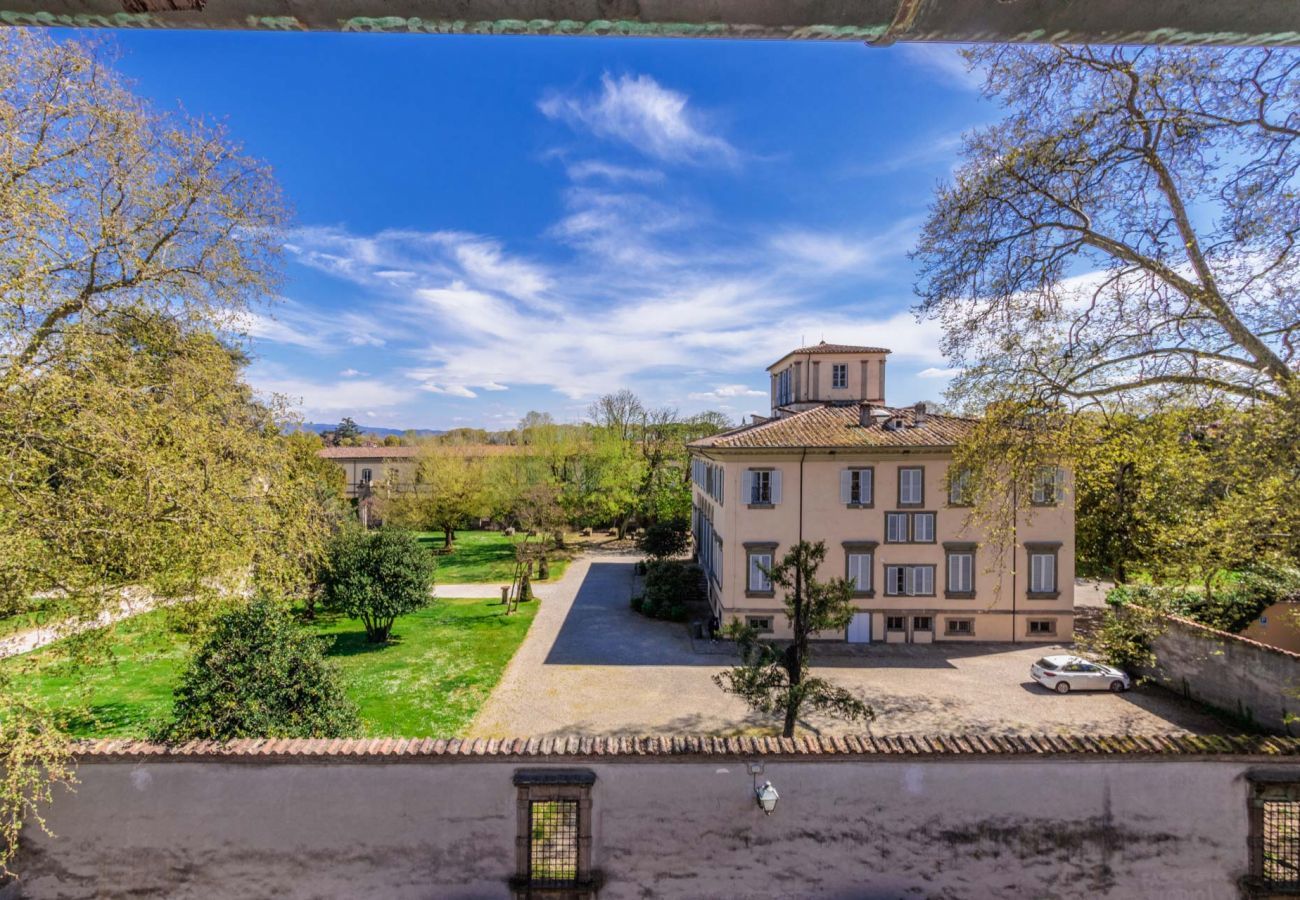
{"x":791,"y":714}
{"x":448,"y":536}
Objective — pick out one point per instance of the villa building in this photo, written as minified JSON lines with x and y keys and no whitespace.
{"x":834,"y":463}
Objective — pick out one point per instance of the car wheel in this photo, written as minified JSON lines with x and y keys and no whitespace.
{"x":1062,"y":688}
{"x":1117,"y":687}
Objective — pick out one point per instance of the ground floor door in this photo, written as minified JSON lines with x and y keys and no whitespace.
{"x":860,"y":628}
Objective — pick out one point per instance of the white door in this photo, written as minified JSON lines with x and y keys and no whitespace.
{"x":860,"y":628}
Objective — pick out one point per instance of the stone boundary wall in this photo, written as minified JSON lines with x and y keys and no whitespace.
{"x":669,"y":816}
{"x":1256,"y":683}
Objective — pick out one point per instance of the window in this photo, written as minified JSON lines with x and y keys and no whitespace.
{"x":1042,"y":570}
{"x":895,"y":623}
{"x":784,"y":393}
{"x":909,"y":528}
{"x":959,"y":488}
{"x":761,"y":624}
{"x":923,"y":528}
{"x":961,"y":570}
{"x":911,"y":486}
{"x":759,"y":563}
{"x":715,"y":561}
{"x":909,"y":581}
{"x":763,"y":487}
{"x":366,"y":475}
{"x":1047,"y":486}
{"x":896,"y":528}
{"x":1042,"y":626}
{"x":922,"y":623}
{"x":1275,"y":835}
{"x":554,"y":827}
{"x":961,"y":627}
{"x":839,"y":376}
{"x":859,"y":571}
{"x":856,"y":486}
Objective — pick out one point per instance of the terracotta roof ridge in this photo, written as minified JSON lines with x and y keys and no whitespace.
{"x":759,"y":426}
{"x":261,"y":750}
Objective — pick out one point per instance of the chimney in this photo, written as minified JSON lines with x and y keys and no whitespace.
{"x":918,"y":413}
{"x":864,"y":414}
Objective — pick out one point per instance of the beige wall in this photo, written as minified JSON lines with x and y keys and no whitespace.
{"x":816,"y":378}
{"x":380,"y":469}
{"x":999,"y":589}
{"x":689,"y":827}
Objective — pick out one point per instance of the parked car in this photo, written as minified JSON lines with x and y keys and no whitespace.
{"x":1072,"y":673}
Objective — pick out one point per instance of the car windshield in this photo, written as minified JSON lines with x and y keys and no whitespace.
{"x":1046,"y":663}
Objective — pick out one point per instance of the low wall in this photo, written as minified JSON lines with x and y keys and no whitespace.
{"x":1258,"y":683}
{"x":862,"y":818}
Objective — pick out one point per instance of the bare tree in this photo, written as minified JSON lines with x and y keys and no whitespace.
{"x":1128,"y":229}
{"x":620,"y":412}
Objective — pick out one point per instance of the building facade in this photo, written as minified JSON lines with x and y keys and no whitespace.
{"x":834,"y":463}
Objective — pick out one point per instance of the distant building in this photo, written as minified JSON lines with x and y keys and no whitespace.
{"x":367,"y":469}
{"x":834,"y":463}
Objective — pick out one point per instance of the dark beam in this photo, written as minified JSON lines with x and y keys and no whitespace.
{"x":1271,"y":22}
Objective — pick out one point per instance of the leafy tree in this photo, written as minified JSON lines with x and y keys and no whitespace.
{"x":620,"y":413}
{"x":665,"y":539}
{"x":1124,"y":239}
{"x":376,"y":576}
{"x":258,"y":674}
{"x":774,"y":679}
{"x":452,"y":489}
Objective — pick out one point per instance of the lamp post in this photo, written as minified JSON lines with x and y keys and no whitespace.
{"x":767,"y":797}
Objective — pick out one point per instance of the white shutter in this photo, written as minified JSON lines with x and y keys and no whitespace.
{"x":1049,"y":572}
{"x":846,"y":486}
{"x":747,"y":485}
{"x":776,"y":486}
{"x":721,"y":483}
{"x":865,"y":485}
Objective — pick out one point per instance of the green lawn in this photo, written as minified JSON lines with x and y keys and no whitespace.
{"x":480,"y":557}
{"x":429,"y":682}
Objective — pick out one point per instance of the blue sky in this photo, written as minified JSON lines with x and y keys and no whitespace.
{"x":485,"y":226}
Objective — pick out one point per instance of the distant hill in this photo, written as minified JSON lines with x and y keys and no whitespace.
{"x":320,"y":427}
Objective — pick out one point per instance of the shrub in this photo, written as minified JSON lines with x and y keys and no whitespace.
{"x":670,"y":586}
{"x":259,"y":675}
{"x":664,"y":539}
{"x":376,"y":576}
{"x":1230,"y":608}
{"x":1125,"y":636}
{"x":636,"y":602}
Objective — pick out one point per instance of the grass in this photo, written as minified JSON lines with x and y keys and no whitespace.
{"x":480,"y":557}
{"x":36,"y":613}
{"x":429,"y":681}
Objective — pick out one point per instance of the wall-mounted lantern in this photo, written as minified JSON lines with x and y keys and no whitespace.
{"x":767,"y":797}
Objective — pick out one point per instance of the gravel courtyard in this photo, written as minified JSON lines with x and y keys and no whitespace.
{"x":591,"y":666}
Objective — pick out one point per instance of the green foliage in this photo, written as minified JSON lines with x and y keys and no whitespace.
{"x":258,"y":674}
{"x":670,"y":587}
{"x":667,"y":538}
{"x":1124,"y":637}
{"x":35,"y":755}
{"x":1231,"y":608}
{"x":775,"y":679}
{"x":376,"y":576}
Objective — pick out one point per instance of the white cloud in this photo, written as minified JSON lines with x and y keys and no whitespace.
{"x":727,"y":392}
{"x":945,"y":61}
{"x":935,"y":372}
{"x":638,"y":111}
{"x":352,"y":373}
{"x":326,"y":399}
{"x":451,"y":390}
{"x":828,"y":251}
{"x":590,"y":169}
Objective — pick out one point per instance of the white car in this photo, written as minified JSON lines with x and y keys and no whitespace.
{"x":1072,"y":673}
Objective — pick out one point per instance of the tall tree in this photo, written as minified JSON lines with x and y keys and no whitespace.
{"x":451,"y":489}
{"x":1124,"y":238}
{"x":1130,"y":225}
{"x":620,"y":413}
{"x":774,"y":679}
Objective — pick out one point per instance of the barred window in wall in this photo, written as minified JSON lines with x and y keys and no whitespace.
{"x":759,"y":566}
{"x":856,"y":487}
{"x":1047,"y":485}
{"x":839,"y":375}
{"x":1275,"y":837}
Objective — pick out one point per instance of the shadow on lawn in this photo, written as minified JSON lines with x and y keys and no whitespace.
{"x":355,"y":643}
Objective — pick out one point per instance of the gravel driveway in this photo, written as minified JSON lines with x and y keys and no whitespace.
{"x":591,"y":666}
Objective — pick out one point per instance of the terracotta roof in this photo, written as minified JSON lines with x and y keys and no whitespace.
{"x":467,"y":450}
{"x":837,"y":426}
{"x":823,"y":347}
{"x":595,"y":748}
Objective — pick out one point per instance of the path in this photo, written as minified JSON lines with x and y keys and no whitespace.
{"x":590,"y":665}
{"x":35,"y":638}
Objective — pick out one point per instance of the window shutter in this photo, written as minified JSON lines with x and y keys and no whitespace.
{"x":865,"y":485}
{"x":846,"y":486}
{"x":776,"y":486}
{"x":747,"y":485}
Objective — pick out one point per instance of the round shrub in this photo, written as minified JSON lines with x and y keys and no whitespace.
{"x":258,"y":674}
{"x":664,"y":539}
{"x":376,"y":576}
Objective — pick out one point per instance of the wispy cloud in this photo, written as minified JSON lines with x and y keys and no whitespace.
{"x":936,"y":372}
{"x":945,"y":62}
{"x":638,"y":111}
{"x":724,"y":392}
{"x":592,"y":169}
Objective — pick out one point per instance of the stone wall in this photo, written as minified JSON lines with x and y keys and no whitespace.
{"x":1253,"y":681}
{"x":1053,"y":817}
